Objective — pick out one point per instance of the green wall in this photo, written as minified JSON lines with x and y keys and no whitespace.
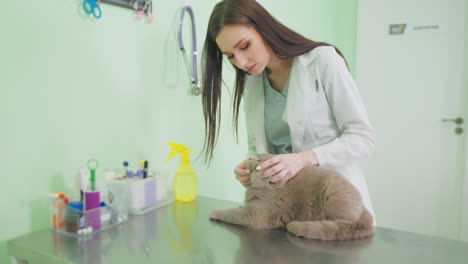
{"x":73,"y":87}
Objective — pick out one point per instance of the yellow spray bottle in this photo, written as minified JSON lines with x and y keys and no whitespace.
{"x":185,"y":180}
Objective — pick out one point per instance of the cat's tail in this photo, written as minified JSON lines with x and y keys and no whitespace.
{"x":334,"y":229}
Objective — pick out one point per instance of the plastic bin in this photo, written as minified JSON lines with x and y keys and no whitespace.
{"x":144,"y":195}
{"x":72,"y":220}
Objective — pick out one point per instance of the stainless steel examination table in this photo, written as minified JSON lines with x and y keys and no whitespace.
{"x":182,"y":233}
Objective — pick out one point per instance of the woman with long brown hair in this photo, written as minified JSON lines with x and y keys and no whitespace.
{"x":300,"y":100}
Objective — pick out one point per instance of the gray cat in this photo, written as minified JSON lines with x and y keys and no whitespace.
{"x":317,"y":203}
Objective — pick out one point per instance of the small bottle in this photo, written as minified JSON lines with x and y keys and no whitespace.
{"x":185,"y":180}
{"x":131,"y":175}
{"x":125,"y":164}
{"x":140,"y":174}
{"x":82,"y":181}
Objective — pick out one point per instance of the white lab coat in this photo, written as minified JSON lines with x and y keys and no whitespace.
{"x":324,"y":112}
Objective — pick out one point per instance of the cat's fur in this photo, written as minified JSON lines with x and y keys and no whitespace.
{"x":317,"y":203}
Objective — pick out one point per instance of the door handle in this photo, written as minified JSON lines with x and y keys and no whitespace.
{"x":458,"y":120}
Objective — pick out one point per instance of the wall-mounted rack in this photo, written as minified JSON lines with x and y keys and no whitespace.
{"x":131,"y":4}
{"x":142,"y":7}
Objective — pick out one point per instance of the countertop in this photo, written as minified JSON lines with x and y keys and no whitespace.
{"x":182,"y":233}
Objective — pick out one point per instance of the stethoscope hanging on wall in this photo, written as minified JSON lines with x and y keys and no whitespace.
{"x":192,"y":71}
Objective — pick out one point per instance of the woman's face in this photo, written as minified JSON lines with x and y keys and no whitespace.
{"x":244,"y":47}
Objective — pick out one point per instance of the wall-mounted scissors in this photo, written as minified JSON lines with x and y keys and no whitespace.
{"x":148,"y":8}
{"x":92,"y":7}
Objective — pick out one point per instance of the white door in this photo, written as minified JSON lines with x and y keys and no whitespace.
{"x":464,"y":234}
{"x":410,"y":82}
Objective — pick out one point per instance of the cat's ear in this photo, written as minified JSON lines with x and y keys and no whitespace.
{"x":251,"y":163}
{"x":265,"y":156}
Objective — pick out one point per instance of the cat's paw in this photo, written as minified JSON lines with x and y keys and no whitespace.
{"x":214,"y":214}
{"x":305,"y":229}
{"x":294,"y":228}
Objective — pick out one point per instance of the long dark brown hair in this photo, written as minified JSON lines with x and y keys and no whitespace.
{"x":284,"y":42}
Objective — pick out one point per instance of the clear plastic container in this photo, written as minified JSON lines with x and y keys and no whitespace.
{"x":70,"y":220}
{"x":144,"y":195}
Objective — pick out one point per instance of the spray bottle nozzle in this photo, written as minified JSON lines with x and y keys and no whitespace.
{"x":180,"y":149}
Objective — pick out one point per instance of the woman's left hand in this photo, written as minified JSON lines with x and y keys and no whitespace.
{"x":287,"y":165}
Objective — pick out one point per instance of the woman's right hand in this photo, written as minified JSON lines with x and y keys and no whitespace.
{"x":242,"y":174}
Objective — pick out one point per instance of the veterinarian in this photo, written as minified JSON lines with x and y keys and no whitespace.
{"x":300,"y":100}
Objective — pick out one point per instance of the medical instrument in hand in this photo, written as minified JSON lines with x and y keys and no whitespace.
{"x":148,"y":8}
{"x":192,"y":71}
{"x":92,"y":7}
{"x":92,"y":165}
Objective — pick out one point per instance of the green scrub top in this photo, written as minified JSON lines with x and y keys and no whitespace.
{"x":277,"y":131}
